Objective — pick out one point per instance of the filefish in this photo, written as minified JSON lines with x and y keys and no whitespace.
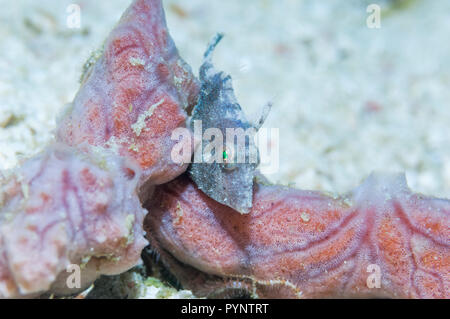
{"x":224,"y":168}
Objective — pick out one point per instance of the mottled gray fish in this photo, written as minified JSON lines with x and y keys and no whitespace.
{"x":223,"y":173}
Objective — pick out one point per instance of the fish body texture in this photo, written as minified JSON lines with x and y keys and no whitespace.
{"x":62,"y":208}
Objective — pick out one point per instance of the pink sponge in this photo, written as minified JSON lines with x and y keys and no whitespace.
{"x":135,"y":95}
{"x":63,"y":208}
